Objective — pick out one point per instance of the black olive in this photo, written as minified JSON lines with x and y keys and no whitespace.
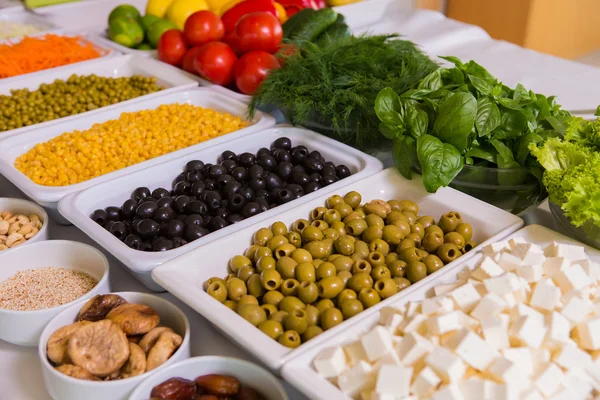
{"x":175,"y":228}
{"x":257,"y":184}
{"x":156,"y":240}
{"x":268,"y":162}
{"x":240,"y":174}
{"x":261,"y":151}
{"x":197,"y":188}
{"x":299,"y":168}
{"x":119,"y":230}
{"x":329,"y":179}
{"x":218,"y":223}
{"x":159,"y":193}
{"x":208,"y":166}
{"x":284,"y":196}
{"x":298,"y":153}
{"x":113,"y":213}
{"x":313,"y":165}
{"x":284,"y":170}
{"x":222,"y":212}
{"x":231,"y":188}
{"x":262,"y":194}
{"x":229,"y":165}
{"x":212,"y":199}
{"x":294,"y":188}
{"x":312,"y":187}
{"x":282,"y":143}
{"x":273,"y":205}
{"x":246,"y":160}
{"x":235,"y":202}
{"x":315,"y":177}
{"x":234,"y":218}
{"x":251,"y":209}
{"x":328,"y":170}
{"x":181,"y":217}
{"x":210,"y":184}
{"x":194,"y":176}
{"x":164,"y":214}
{"x":193,"y":232}
{"x":194,"y":219}
{"x":317,"y":155}
{"x":163,"y":245}
{"x":146,"y":210}
{"x":262,"y":203}
{"x":181,"y":202}
{"x":147,"y":200}
{"x":299,"y":178}
{"x":196,"y":207}
{"x":194,"y":165}
{"x":133,"y":241}
{"x":282,"y":155}
{"x":140,"y":193}
{"x":227,"y":155}
{"x":180,"y":178}
{"x":329,"y":163}
{"x":179,"y":241}
{"x":165,"y":202}
{"x":247,"y":193}
{"x":223,"y":203}
{"x":224,"y":180}
{"x":256,"y":171}
{"x":342,"y":171}
{"x":216,"y":171}
{"x":206,"y":220}
{"x":135,"y":223}
{"x":182,"y":187}
{"x":273,"y":181}
{"x":109,"y":225}
{"x":99,"y":217}
{"x":148,"y":228}
{"x":162,"y":229}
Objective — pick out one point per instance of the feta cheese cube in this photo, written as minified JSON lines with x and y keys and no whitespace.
{"x":443,"y":289}
{"x":412,"y":307}
{"x":330,"y":362}
{"x":377,"y":343}
{"x":572,"y":278}
{"x":448,"y":392}
{"x":530,"y":272}
{"x":545,"y":296}
{"x":479,"y":286}
{"x":589,"y":334}
{"x":504,"y":370}
{"x":553,"y":265}
{"x":541,"y":358}
{"x":528,"y":252}
{"x":512,"y":243}
{"x":490,"y":304}
{"x":559,"y":328}
{"x":550,"y":380}
{"x":415,"y":323}
{"x":590,"y":268}
{"x":576,"y":309}
{"x":504,"y":391}
{"x":414,"y":348}
{"x":441,"y":324}
{"x":522,"y":310}
{"x":473,"y":350}
{"x":503,"y":284}
{"x":580,"y":383}
{"x":463,"y":274}
{"x":568,"y":251}
{"x":527,"y":331}
{"x":468,"y":322}
{"x":531,"y":394}
{"x":446,"y":364}
{"x":430,"y":306}
{"x":355,"y":352}
{"x":387,"y":315}
{"x":356,"y":379}
{"x":495,"y":248}
{"x":570,"y":356}
{"x":446,"y":305}
{"x":495,"y":333}
{"x":487,"y":269}
{"x":466,"y":297}
{"x":426,"y":383}
{"x":509,"y":262}
{"x":394,"y":380}
{"x":475,"y":388}
{"x":389,"y":359}
{"x":522,"y":357}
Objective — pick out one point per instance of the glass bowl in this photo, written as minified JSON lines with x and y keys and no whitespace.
{"x":587,"y":233}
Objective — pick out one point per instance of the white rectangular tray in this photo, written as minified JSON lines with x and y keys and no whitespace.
{"x":48,"y":196}
{"x":184,"y":276}
{"x":167,"y":76}
{"x":77,"y":207}
{"x":26,"y":18}
{"x":300,"y":373}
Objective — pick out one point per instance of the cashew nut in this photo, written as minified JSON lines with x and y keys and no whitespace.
{"x":16,"y":229}
{"x":11,"y":239}
{"x":3,"y":247}
{"x":32,"y":233}
{"x":4,"y":225}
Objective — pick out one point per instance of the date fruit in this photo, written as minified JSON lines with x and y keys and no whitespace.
{"x":221,"y":385}
{"x":175,"y":389}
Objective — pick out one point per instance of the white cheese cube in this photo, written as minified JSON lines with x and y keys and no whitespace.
{"x":479,"y":286}
{"x":440,"y":324}
{"x":377,"y":343}
{"x":368,"y":394}
{"x":495,"y":332}
{"x":487,"y":269}
{"x":532,"y":394}
{"x":504,"y":370}
{"x":443,"y":289}
{"x":565,"y":394}
{"x":490,"y":304}
{"x":512,"y":243}
{"x":522,"y":310}
{"x":356,"y":379}
{"x":576,"y":309}
{"x":473,"y":350}
{"x":463,"y":274}
{"x":330,"y":362}
{"x":553,"y":265}
{"x":504,"y":391}
{"x":572,"y":278}
{"x":426,"y":383}
{"x":522,"y":357}
{"x":475,"y":388}
{"x":568,"y":251}
{"x":415,"y":323}
{"x":466,"y":297}
{"x":495,"y":248}
{"x":545,"y":296}
{"x":541,"y":357}
{"x":589,"y":334}
{"x":446,"y":364}
{"x":355,"y":352}
{"x":528,"y":252}
{"x":509,"y":262}
{"x":580,"y":383}
{"x":590,"y":268}
{"x":559,"y":328}
{"x":446,"y":305}
{"x":394,"y":380}
{"x":468,"y":322}
{"x":387,"y":315}
{"x":510,"y":299}
{"x":527,"y":331}
{"x":430,"y":306}
{"x":414,"y":348}
{"x":530,"y":272}
{"x":550,"y":380}
{"x":389,"y":359}
{"x":448,"y":392}
{"x":412,"y":307}
{"x":503,"y":284}
{"x":497,"y":257}
{"x":570,"y":356}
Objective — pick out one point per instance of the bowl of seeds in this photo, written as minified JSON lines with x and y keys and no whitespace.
{"x":39,"y":280}
{"x":21,"y":222}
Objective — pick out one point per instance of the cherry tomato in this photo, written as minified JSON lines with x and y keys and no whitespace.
{"x":258,"y":31}
{"x":252,"y":68}
{"x":203,"y":27}
{"x":188,"y":59}
{"x":171,"y":47}
{"x":215,"y":61}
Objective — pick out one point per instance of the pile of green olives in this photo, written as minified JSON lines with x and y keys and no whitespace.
{"x":295,"y":283}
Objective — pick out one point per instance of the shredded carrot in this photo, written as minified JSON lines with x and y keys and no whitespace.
{"x":42,"y":52}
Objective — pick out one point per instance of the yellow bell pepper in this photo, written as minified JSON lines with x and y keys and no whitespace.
{"x":281,"y":14}
{"x":227,"y":6}
{"x":337,"y":3}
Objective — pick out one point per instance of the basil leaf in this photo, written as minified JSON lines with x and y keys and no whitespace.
{"x":488,"y":116}
{"x":404,"y":154}
{"x":513,"y":122}
{"x":542,"y":103}
{"x":389,"y":131}
{"x":520,"y":93}
{"x":558,"y":125}
{"x":415,"y":94}
{"x":433,"y":81}
{"x":510,"y":104}
{"x":482,"y":153}
{"x":480,"y":85}
{"x":440,"y":162}
{"x":505,"y":158}
{"x":387,"y":106}
{"x":497,"y":90}
{"x":417,"y":122}
{"x":472,"y":68}
{"x":456,"y":118}
{"x":523,"y":146}
{"x":453,"y":76}
{"x":454,"y":60}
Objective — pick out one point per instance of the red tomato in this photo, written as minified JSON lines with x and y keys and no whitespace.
{"x":252,"y":68}
{"x":258,"y":31}
{"x":203,"y":27}
{"x":188,"y":59}
{"x":171,"y":47}
{"x":215,"y":61}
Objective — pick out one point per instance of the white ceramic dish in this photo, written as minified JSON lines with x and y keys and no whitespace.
{"x":184,"y":276}
{"x":300,"y":373}
{"x":20,"y":206}
{"x":48,"y":196}
{"x":170,"y":78}
{"x":25,"y":327}
{"x":247,"y":373}
{"x":25,"y":18}
{"x":77,"y":207}
{"x":62,"y":387}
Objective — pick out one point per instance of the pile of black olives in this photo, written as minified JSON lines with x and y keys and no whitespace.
{"x":294,"y":283}
{"x":208,"y":197}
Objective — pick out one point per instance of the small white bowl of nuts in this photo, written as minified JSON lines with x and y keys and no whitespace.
{"x":103,"y":348}
{"x":21,"y":222}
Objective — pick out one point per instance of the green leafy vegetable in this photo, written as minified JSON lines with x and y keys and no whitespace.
{"x":488,"y":116}
{"x":404,"y":153}
{"x":456,"y":117}
{"x":440,"y":162}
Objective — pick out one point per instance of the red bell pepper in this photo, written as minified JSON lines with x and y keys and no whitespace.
{"x":231,"y":17}
{"x":315,"y":4}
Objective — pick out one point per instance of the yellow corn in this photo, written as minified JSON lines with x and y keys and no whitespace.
{"x":134,"y":137}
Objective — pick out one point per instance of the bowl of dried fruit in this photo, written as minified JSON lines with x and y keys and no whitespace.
{"x":211,"y":377}
{"x":39,"y":280}
{"x":21,"y":222}
{"x":103,"y":348}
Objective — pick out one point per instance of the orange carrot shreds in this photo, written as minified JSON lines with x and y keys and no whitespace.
{"x":37,"y":53}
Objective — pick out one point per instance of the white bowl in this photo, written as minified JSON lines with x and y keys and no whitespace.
{"x":246,"y":372}
{"x":63,"y":387}
{"x":20,"y":206}
{"x":25,"y":327}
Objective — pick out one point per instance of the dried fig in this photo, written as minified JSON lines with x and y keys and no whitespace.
{"x":136,"y":364}
{"x":221,"y":385}
{"x":151,"y":337}
{"x":247,"y":393}
{"x":76,"y":372}
{"x":98,"y":306}
{"x":100,"y":347}
{"x":175,"y":389}
{"x":134,"y":319}
{"x":112,"y":377}
{"x":164,"y":348}
{"x":135,"y":339}
{"x":56,"y":348}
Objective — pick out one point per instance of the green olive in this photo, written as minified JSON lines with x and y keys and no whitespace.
{"x":277,"y":241}
{"x":465,"y":230}
{"x":318,"y":213}
{"x":332,"y":216}
{"x":455,"y":238}
{"x":433,"y":263}
{"x":270,"y":309}
{"x":339,"y":227}
{"x":262,"y":236}
{"x":207,"y":282}
{"x":345,"y":294}
{"x":360,"y":281}
{"x":232,"y":305}
{"x":359,"y":256}
{"x":301,"y":256}
{"x":247,"y":299}
{"x":230,"y":277}
{"x":333,"y":200}
{"x":279,"y":316}
{"x":330,"y":233}
{"x":311,"y":332}
{"x":294,"y":238}
{"x":343,"y":209}
{"x":432,"y":241}
{"x":290,"y":339}
{"x":377,"y":207}
{"x":330,"y":318}
{"x":284,"y":250}
{"x":308,"y":292}
{"x":395,"y":205}
{"x":403,"y":227}
{"x":391,"y":257}
{"x":332,"y":257}
{"x":344,"y":245}
{"x":236,"y":288}
{"x":252,"y":313}
{"x":286,"y":266}
{"x":325,"y":270}
{"x":296,"y":321}
{"x":448,"y":252}
{"x":324,"y":304}
{"x":372,"y":233}
{"x":270,"y":279}
{"x":299,"y":225}
{"x":345,"y":275}
{"x":262,"y":252}
{"x":279,"y":228}
{"x":361,"y":247}
{"x":316,"y":262}
{"x":312,"y":315}
{"x":411,"y":206}
{"x":426,"y":221}
{"x":434,"y":229}
{"x":321,"y":249}
{"x":291,"y":303}
{"x":352,"y":216}
{"x":272,"y":329}
{"x":450,"y":221}
{"x":238,"y":262}
{"x":394,"y":216}
{"x":369,"y":297}
{"x":356,"y":227}
{"x":397,"y":268}
{"x":343,"y":263}
{"x":245,"y":273}
{"x":386,"y":287}
{"x":412,"y":217}
{"x":254,"y":286}
{"x":272,"y":297}
{"x":361,"y":212}
{"x":380,"y":246}
{"x":218,"y":290}
{"x":351,"y":307}
{"x":311,"y":234}
{"x":330,"y":287}
{"x":469,"y":245}
{"x":374,"y":220}
{"x":289,"y":287}
{"x":392,"y":235}
{"x":353,"y":199}
{"x":376,"y":258}
{"x":361,"y":266}
{"x":409,"y":254}
{"x":415,"y":237}
{"x":320,"y":224}
{"x":380,"y":272}
{"x":266,"y":263}
{"x":306,"y":272}
{"x":402,"y":283}
{"x":415,"y":271}
{"x":418,"y":229}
